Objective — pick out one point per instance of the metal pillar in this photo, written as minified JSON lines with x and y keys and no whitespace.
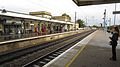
{"x":109,"y":22}
{"x":104,"y":19}
{"x":115,"y":15}
{"x":75,"y":19}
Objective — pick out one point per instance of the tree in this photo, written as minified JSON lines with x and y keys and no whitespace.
{"x":81,"y":23}
{"x":95,"y":26}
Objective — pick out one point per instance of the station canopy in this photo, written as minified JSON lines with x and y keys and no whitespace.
{"x":94,"y":2}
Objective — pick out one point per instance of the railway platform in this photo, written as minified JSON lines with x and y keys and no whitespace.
{"x":92,"y":51}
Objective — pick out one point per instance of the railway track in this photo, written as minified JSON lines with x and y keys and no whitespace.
{"x":41,"y":54}
{"x":41,"y":61}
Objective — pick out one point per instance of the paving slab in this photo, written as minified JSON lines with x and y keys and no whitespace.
{"x":97,"y":53}
{"x":64,"y":58}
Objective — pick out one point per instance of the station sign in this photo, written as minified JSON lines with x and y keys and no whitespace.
{"x":13,"y":22}
{"x":116,"y":12}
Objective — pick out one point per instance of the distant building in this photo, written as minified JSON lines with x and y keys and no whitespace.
{"x":64,"y":17}
{"x":43,"y":14}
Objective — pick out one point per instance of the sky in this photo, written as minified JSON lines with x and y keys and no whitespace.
{"x":92,"y":15}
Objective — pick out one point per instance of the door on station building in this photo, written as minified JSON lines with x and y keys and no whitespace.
{"x":32,"y":28}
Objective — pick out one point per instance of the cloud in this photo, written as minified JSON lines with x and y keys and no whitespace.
{"x":58,"y":7}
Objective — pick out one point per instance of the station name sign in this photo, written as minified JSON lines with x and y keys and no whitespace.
{"x":116,"y":12}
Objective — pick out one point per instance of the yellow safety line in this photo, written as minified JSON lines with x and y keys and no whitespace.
{"x":68,"y":64}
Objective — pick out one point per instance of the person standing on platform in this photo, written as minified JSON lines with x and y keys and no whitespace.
{"x":113,"y":42}
{"x":43,"y":29}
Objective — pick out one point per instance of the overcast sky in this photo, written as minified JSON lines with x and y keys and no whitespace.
{"x":93,"y":14}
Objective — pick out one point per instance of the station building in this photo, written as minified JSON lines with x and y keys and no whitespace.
{"x":66,"y":18}
{"x":43,"y":14}
{"x":63,"y":17}
{"x":48,"y":15}
{"x":20,"y":23}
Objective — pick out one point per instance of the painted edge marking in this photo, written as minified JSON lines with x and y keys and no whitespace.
{"x":69,"y":63}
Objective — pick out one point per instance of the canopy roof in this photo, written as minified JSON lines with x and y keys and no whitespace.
{"x":94,"y":2}
{"x":26,"y":16}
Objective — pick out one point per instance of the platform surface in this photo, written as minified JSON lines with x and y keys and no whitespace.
{"x":92,"y":51}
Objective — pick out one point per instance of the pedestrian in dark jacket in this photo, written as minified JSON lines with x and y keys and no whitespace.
{"x":113,"y":42}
